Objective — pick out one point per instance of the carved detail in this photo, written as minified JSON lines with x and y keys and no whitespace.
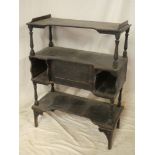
{"x":126,"y":43}
{"x":115,"y":63}
{"x":109,"y":135}
{"x":31,"y":40}
{"x":35,"y":94}
{"x":50,"y":37}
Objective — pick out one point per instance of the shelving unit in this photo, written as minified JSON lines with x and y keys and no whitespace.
{"x":102,"y":74}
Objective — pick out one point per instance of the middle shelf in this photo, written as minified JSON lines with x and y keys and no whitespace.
{"x":81,"y":69}
{"x":98,"y":60}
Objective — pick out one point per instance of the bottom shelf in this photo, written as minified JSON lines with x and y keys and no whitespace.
{"x":100,"y":113}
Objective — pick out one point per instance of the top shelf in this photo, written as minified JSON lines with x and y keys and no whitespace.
{"x":101,"y":27}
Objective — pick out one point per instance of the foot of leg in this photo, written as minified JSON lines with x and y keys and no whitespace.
{"x":118,"y":124}
{"x":109,"y":135}
{"x":36,"y":114}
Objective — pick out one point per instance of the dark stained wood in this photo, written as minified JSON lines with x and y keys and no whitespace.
{"x":126,"y":43}
{"x":115,"y":63}
{"x":101,"y":27}
{"x":52,"y":87}
{"x":102,"y":74}
{"x":119,"y":105}
{"x":42,"y":78}
{"x":31,"y":40}
{"x":109,"y":135}
{"x":96,"y":111}
{"x":50,"y":37}
{"x":35,"y":93}
{"x":80,"y":56}
{"x":120,"y":98}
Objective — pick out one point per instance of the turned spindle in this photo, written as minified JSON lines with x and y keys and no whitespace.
{"x":50,"y":37}
{"x":126,"y":43}
{"x":115,"y":63}
{"x":35,"y":94}
{"x":31,"y":40}
{"x":49,"y":75}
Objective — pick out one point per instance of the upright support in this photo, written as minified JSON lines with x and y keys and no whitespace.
{"x":126,"y":43}
{"x":109,"y":135}
{"x":115,"y":63}
{"x":31,"y":40}
{"x":119,"y":104}
{"x":52,"y":87}
{"x":49,"y":75}
{"x":50,"y":37}
{"x":35,"y":94}
{"x":120,"y":98}
{"x":36,"y":114}
{"x":112,"y":108}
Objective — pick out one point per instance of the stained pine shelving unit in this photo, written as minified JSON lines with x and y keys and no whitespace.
{"x":102,"y":74}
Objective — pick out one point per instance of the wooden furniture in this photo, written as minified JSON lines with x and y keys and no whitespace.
{"x":102,"y":74}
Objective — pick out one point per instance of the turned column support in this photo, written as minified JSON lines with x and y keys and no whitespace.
{"x":31,"y":40}
{"x":119,"y":104}
{"x":115,"y":63}
{"x":126,"y":43}
{"x":50,"y":37}
{"x":49,"y":75}
{"x":35,"y":94}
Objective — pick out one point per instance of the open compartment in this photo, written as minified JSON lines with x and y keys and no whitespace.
{"x":39,"y":71}
{"x":105,"y":83}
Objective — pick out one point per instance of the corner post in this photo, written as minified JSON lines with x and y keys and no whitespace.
{"x":35,"y":94}
{"x":120,"y":98}
{"x":115,"y":63}
{"x":119,"y":104}
{"x":126,"y":43}
{"x":112,"y":108}
{"x":48,"y":62}
{"x":50,"y":37}
{"x":31,"y":40}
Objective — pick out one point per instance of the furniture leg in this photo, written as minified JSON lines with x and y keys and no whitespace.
{"x":119,"y":104}
{"x":31,"y":40}
{"x":118,"y":124}
{"x":35,"y":94}
{"x":126,"y":43}
{"x":36,"y":114}
{"x":52,"y":87}
{"x":109,"y":135}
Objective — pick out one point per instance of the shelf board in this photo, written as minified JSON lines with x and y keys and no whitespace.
{"x":98,"y":60}
{"x":102,"y":27}
{"x":101,"y":113}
